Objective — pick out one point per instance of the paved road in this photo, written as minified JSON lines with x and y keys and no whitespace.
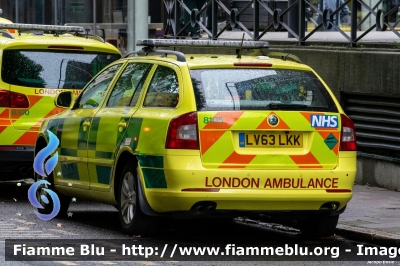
{"x":373,"y":213}
{"x":97,"y":221}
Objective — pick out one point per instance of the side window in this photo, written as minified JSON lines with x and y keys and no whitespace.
{"x":129,"y":84}
{"x":94,"y":93}
{"x":163,"y":89}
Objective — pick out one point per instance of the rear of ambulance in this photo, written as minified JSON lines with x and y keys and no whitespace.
{"x":272,"y":137}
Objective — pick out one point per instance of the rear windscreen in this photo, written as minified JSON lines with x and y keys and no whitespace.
{"x":259,"y":89}
{"x":52,"y":69}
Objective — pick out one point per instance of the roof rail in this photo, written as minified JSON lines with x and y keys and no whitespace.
{"x":53,"y":28}
{"x":284,"y":56}
{"x":149,"y":50}
{"x":202,"y":43}
{"x":131,"y":54}
{"x":91,"y":36}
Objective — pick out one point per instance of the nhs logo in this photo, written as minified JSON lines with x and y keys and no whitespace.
{"x":330,"y":121}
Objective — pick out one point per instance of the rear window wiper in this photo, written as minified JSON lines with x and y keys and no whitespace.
{"x":286,"y":106}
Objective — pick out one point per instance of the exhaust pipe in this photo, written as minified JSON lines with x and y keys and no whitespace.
{"x":329,"y":206}
{"x":200,"y":208}
{"x":211,"y":208}
{"x":203,"y":208}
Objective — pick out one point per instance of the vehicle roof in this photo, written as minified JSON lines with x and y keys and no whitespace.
{"x":248,"y":54}
{"x":33,"y":41}
{"x":194,"y":61}
{"x":199,"y":60}
{"x":5,"y":21}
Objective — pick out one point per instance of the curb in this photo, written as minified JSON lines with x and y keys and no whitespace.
{"x":368,"y":235}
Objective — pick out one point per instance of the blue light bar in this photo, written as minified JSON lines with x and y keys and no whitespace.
{"x":202,"y":43}
{"x":19,"y":26}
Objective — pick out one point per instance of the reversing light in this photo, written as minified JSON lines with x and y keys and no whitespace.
{"x":347,"y":134}
{"x":188,"y":132}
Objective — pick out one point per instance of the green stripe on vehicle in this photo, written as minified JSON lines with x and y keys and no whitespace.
{"x":54,"y":125}
{"x":133,"y":132}
{"x":70,"y":171}
{"x":104,"y":155}
{"x":82,"y":135}
{"x":92,"y":140}
{"x":103,"y":174}
{"x":153,"y":171}
{"x":69,"y":152}
{"x":151,"y":161}
{"x":154,"y":178}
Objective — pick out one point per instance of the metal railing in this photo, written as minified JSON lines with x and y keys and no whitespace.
{"x":302,"y":9}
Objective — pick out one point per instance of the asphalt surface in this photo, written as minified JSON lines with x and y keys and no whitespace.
{"x":99,"y":221}
{"x":372,"y":215}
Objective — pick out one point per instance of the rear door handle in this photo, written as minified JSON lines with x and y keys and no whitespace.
{"x":85,"y":125}
{"x":121,"y":125}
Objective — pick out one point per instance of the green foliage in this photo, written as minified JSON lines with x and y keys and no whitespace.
{"x":360,"y":45}
{"x":396,"y":45}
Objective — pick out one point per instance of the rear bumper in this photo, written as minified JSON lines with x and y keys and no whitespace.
{"x":16,"y":162}
{"x":17,"y":153}
{"x":188,"y":184}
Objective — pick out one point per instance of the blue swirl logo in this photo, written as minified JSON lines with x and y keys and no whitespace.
{"x":44,"y":167}
{"x":32,"y":198}
{"x":40,"y":164}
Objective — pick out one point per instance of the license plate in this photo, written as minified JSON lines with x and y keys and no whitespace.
{"x":273,"y":140}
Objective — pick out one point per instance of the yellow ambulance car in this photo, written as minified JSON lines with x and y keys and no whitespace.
{"x":38,"y":62}
{"x":165,"y":133}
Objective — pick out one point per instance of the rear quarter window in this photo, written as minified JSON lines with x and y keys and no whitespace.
{"x":163,"y":90}
{"x":259,"y":89}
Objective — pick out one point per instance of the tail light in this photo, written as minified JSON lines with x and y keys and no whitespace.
{"x":348,"y":135}
{"x":4,"y":99}
{"x":11,"y":99}
{"x":183,"y":132}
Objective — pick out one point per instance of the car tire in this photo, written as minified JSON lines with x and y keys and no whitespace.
{"x":319,"y":226}
{"x":48,"y":208}
{"x":133,"y":220}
